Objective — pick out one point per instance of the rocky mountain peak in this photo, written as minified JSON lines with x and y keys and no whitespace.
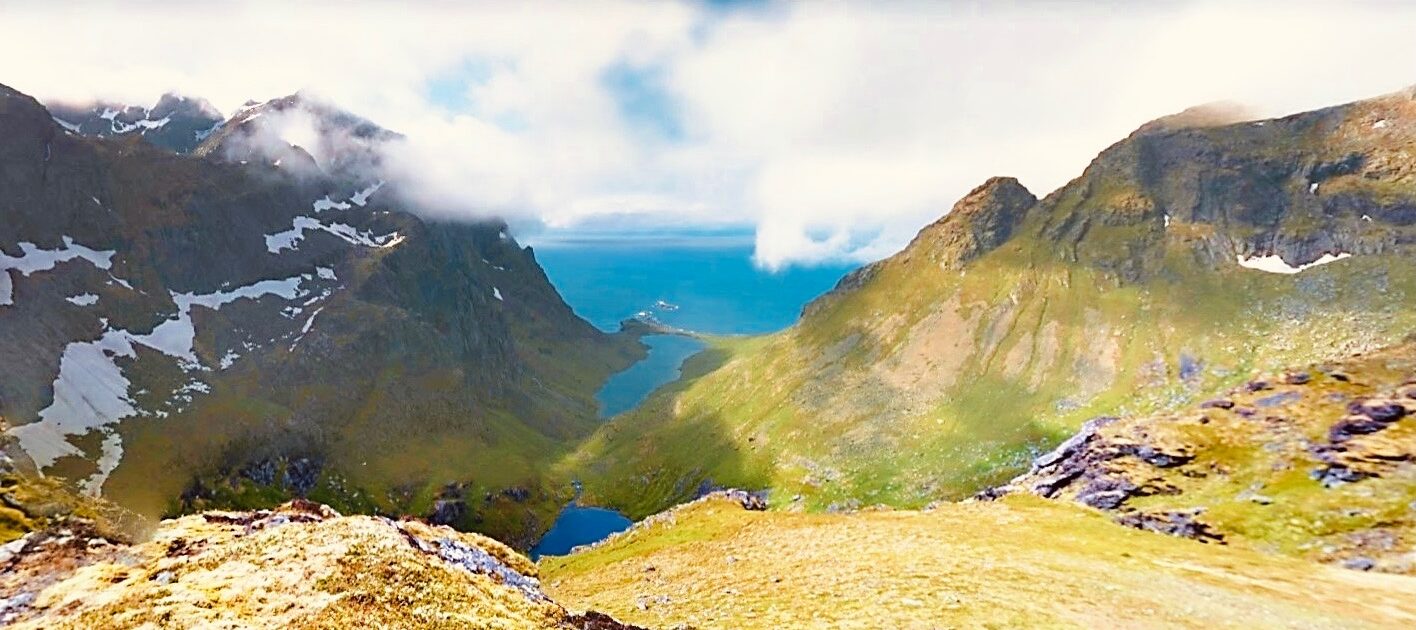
{"x":1214,"y":114}
{"x":984,"y":219}
{"x":300,"y":133}
{"x":176,"y":122}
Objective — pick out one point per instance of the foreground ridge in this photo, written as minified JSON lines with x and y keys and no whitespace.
{"x":1019,"y":562}
{"x":300,"y":565}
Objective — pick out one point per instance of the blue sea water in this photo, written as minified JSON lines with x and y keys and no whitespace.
{"x":708,"y":282}
{"x":625,"y":390}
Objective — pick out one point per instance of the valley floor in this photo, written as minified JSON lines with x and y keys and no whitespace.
{"x":1021,"y":561}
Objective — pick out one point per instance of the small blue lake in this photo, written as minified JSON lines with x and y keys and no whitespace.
{"x":578,"y":525}
{"x":625,"y":390}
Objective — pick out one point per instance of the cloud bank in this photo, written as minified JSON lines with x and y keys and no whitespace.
{"x":835,"y":129}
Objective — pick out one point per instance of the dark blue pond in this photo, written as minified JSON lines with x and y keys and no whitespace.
{"x":577,"y":526}
{"x":625,"y":390}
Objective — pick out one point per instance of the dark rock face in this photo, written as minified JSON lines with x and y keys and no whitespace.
{"x":1182,"y":524}
{"x":331,"y":312}
{"x":301,"y":475}
{"x":1297,"y":187}
{"x":1384,"y":412}
{"x":591,"y":620}
{"x":1154,"y":456}
{"x":1106,"y":493}
{"x":980,"y":222}
{"x":1353,"y":426}
{"x":451,"y":505}
{"x":749,"y":500}
{"x":261,"y":472}
{"x":1336,"y":474}
{"x":176,"y":123}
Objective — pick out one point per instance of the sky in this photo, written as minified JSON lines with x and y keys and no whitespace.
{"x":831,"y":130}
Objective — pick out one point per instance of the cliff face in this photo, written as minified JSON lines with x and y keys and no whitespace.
{"x":1332,"y":181}
{"x":1191,"y":252}
{"x":173,"y":327}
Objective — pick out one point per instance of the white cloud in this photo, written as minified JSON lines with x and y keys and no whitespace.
{"x":838,"y":129}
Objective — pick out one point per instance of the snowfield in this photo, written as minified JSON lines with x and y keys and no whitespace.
{"x":1273,"y":263}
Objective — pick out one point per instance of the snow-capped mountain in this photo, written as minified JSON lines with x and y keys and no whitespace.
{"x":179,"y":331}
{"x":178,"y":123}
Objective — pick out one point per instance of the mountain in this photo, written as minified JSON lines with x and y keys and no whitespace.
{"x":177,"y":123}
{"x":1189,"y":254}
{"x":301,"y":134}
{"x":217,"y":569}
{"x":1316,"y":462}
{"x":1018,"y":562}
{"x":188,"y":331}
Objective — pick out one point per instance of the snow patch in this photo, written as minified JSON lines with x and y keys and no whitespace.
{"x":83,"y":299}
{"x":91,"y":392}
{"x":1313,"y":188}
{"x":1380,"y":124}
{"x":32,"y":259}
{"x":112,"y":279}
{"x":1275,"y":264}
{"x":329,"y":204}
{"x":326,"y":273}
{"x":110,"y":454}
{"x":496,"y":293}
{"x":362,"y":197}
{"x":228,"y":359}
{"x":290,"y":239}
{"x":66,"y":124}
{"x":310,"y":323}
{"x":203,"y":134}
{"x":174,"y":337}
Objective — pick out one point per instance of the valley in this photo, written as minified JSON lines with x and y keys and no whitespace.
{"x":1177,"y":391}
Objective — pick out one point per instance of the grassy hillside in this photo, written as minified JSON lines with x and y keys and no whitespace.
{"x":1008,"y":323}
{"x":1020,"y":562}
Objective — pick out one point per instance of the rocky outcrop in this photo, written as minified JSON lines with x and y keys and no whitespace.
{"x":981,"y":221}
{"x":300,"y":565}
{"x":1315,"y":462}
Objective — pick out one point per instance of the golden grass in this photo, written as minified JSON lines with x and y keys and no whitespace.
{"x":1019,"y":562}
